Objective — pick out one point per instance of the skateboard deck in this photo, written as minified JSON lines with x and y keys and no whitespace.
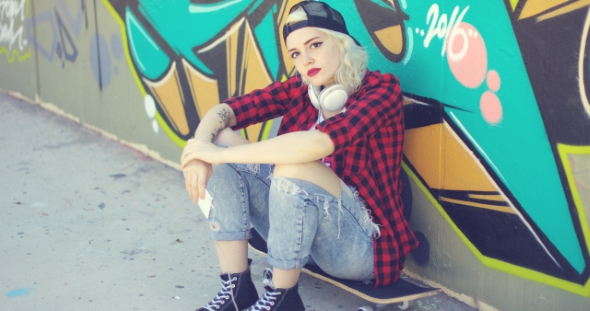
{"x":401,"y":291}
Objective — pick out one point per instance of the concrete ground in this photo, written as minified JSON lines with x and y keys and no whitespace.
{"x":87,"y":223}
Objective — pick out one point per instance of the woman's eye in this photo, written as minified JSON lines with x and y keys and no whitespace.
{"x":316,"y":44}
{"x":294,"y":54}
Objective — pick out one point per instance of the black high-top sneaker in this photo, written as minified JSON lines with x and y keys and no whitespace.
{"x":278,"y":299}
{"x":236,"y":288}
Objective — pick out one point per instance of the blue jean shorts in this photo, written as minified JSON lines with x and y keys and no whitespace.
{"x":297,"y":218}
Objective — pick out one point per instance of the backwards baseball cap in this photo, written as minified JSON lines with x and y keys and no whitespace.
{"x":319,"y":14}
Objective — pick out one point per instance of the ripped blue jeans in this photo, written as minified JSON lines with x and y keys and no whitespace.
{"x":298,"y":219}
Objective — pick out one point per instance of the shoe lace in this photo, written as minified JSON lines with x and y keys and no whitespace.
{"x":224,"y":294}
{"x":266,"y":301}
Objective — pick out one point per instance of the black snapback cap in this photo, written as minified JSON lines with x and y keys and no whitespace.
{"x":319,"y":14}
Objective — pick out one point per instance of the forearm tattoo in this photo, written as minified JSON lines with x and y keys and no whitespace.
{"x":224,"y":123}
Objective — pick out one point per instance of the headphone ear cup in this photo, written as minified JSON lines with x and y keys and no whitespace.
{"x":334,"y":97}
{"x":312,"y":92}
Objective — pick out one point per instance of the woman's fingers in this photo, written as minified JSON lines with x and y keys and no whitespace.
{"x":186,"y":149}
{"x":202,"y":182}
{"x":198,"y":150}
{"x":191,"y":146}
{"x":186,"y":155}
{"x":184,"y":162}
{"x":190,"y":180}
{"x":196,"y":174}
{"x":194,"y":191}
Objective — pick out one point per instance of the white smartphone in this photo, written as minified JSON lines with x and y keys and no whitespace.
{"x":206,"y":203}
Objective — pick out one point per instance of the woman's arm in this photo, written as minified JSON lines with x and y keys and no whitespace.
{"x":215,"y":120}
{"x":291,"y":148}
{"x":197,"y":171}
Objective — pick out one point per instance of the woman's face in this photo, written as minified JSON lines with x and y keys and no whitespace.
{"x":315,"y":55}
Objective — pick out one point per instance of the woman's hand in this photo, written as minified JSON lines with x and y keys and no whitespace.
{"x":196,"y":174}
{"x":197,"y":149}
{"x":196,"y":162}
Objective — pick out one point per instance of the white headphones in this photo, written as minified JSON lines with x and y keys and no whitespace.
{"x":331,"y":98}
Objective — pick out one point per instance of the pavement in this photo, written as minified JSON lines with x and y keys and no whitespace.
{"x":87,"y":223}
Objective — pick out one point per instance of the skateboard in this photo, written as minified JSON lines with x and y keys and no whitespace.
{"x":402,"y":292}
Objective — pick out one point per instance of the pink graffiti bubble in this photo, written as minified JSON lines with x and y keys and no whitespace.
{"x":493,"y":80}
{"x":491,"y":107}
{"x":467,"y":55}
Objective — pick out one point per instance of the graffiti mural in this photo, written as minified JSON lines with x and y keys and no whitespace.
{"x":491,"y":149}
{"x":61,"y":41}
{"x":175,"y":60}
{"x":497,"y":128}
{"x":56,"y":31}
{"x":13,"y":42}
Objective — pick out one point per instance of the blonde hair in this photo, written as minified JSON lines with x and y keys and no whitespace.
{"x":353,"y":58}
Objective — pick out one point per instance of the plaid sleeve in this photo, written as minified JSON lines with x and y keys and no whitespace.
{"x":379,"y":106}
{"x":263,"y":104}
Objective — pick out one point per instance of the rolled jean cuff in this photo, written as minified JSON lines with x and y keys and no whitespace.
{"x":229,"y":236}
{"x":287,"y":264}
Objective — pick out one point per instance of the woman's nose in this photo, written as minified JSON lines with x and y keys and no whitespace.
{"x":307,"y":59}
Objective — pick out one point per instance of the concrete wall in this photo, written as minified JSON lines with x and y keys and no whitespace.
{"x":497,"y":149}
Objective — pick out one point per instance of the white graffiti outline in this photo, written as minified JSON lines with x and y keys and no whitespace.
{"x":583,"y":94}
{"x":489,"y":161}
{"x":410,"y":46}
{"x":404,"y":4}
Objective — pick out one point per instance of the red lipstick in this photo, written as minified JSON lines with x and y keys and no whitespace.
{"x":313,"y":71}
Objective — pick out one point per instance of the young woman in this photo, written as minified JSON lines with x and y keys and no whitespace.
{"x":326,"y":187}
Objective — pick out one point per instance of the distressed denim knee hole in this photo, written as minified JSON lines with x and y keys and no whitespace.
{"x":367,"y":218}
{"x":215,"y":226}
{"x":287,"y":186}
{"x":254,"y":169}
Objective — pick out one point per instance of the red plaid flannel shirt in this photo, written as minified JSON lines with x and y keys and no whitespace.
{"x":368,"y":141}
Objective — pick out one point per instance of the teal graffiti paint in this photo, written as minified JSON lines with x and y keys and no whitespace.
{"x":186,"y":26}
{"x":148,"y":56}
{"x":268,"y":45}
{"x":516,"y":148}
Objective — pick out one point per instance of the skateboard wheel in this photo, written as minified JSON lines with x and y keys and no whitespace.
{"x":364,"y":308}
{"x":405,"y":305}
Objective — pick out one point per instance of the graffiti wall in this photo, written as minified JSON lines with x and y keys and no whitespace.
{"x":14,"y":46}
{"x":497,"y":149}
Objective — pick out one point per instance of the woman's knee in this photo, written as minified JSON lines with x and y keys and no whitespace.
{"x":223,"y":171}
{"x":230,"y":138}
{"x":225,"y":178}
